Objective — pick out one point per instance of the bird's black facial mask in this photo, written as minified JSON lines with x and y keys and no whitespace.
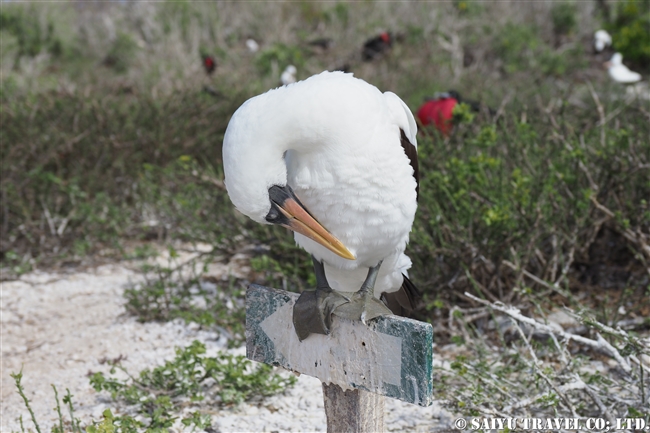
{"x":278,"y":195}
{"x":288,"y":211}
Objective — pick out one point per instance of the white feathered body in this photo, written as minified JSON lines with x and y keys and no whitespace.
{"x":621,"y":73}
{"x":340,"y":138}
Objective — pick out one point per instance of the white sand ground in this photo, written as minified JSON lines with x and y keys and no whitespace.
{"x":59,"y":327}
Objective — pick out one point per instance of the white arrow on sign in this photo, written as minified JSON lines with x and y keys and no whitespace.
{"x":353,"y":353}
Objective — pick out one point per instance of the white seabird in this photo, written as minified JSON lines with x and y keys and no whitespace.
{"x":252,"y":45}
{"x":602,"y":39}
{"x":335,"y":160}
{"x":619,"y":72}
{"x":288,"y":76}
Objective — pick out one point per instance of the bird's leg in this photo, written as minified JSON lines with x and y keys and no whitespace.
{"x":363,"y":305}
{"x":312,"y":312}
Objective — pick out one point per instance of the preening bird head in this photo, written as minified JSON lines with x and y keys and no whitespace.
{"x":254,"y":147}
{"x":602,"y":39}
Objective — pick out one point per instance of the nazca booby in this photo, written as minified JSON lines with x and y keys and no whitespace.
{"x":335,"y":160}
{"x":288,"y":76}
{"x":602,"y":40}
{"x":619,"y":72}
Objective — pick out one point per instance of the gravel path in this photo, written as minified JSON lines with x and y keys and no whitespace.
{"x":60,"y":327}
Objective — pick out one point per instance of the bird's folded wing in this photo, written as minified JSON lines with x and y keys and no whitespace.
{"x":404,"y":301}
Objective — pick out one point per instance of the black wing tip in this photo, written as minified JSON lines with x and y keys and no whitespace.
{"x":405,"y":301}
{"x":412,"y":154}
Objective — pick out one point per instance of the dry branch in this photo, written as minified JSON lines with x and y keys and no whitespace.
{"x":600,"y":344}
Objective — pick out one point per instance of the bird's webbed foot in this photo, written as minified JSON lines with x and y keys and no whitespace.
{"x":363,"y":305}
{"x":312,"y":312}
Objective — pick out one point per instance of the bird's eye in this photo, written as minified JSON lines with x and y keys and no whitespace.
{"x":273,"y":214}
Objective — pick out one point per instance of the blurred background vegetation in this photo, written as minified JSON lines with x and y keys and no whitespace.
{"x":111,"y":139}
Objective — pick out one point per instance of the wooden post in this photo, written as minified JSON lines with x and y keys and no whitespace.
{"x":358,"y":364}
{"x":353,"y":410}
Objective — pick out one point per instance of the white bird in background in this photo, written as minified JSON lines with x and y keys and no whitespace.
{"x":252,"y":45}
{"x":335,"y":160}
{"x":602,"y":39}
{"x":288,"y":75}
{"x":619,"y":72}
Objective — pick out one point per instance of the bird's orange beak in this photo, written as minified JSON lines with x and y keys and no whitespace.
{"x":302,"y":222}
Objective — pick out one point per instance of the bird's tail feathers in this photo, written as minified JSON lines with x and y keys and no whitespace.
{"x":404,"y":301}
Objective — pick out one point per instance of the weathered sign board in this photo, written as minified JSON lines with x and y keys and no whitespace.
{"x":392,"y":356}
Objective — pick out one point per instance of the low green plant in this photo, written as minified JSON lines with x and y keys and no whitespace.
{"x":278,"y":57}
{"x":118,"y":424}
{"x":227,"y":378}
{"x":522,"y":49}
{"x":121,"y":53}
{"x":74,"y":425}
{"x":179,"y":291}
{"x":23,"y":24}
{"x":462,"y":113}
{"x":17,"y":377}
{"x":73,"y":181}
{"x":516,"y":46}
{"x":141,"y":252}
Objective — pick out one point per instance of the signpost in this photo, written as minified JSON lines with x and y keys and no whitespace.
{"x":358,"y":364}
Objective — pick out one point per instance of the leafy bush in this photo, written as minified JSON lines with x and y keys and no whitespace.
{"x":23,"y":23}
{"x":563,"y":16}
{"x":630,"y":34}
{"x":81,"y":166}
{"x":121,"y":53}
{"x":191,"y":374}
{"x":493,"y":191}
{"x":516,"y":45}
{"x":171,"y":292}
{"x":521,"y":49}
{"x":278,"y":57}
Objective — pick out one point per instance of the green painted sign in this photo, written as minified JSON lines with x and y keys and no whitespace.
{"x":392,"y":355}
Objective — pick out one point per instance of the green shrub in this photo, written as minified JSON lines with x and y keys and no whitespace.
{"x":157,"y":392}
{"x":121,"y":53}
{"x":563,"y":16}
{"x":32,"y":38}
{"x":278,"y":57}
{"x":521,"y":49}
{"x":88,"y":162}
{"x":630,"y":31}
{"x":516,"y":45}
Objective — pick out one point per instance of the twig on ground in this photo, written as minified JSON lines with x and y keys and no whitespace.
{"x":535,"y":365}
{"x":596,"y":399}
{"x":549,"y":286}
{"x":600,"y":343}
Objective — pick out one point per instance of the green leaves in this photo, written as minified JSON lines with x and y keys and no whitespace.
{"x":278,"y":57}
{"x":630,"y":30}
{"x":462,"y":113}
{"x":230,"y":379}
{"x":117,"y":424}
{"x":179,"y":291}
{"x":121,"y":53}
